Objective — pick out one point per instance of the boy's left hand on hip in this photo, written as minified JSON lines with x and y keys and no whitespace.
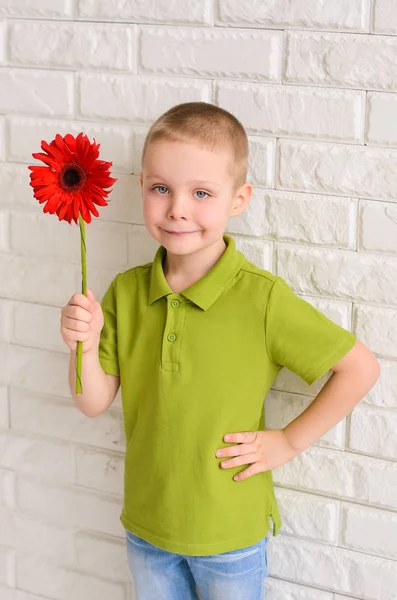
{"x":262,"y":450}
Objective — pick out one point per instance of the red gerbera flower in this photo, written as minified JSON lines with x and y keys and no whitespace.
{"x":74,"y":180}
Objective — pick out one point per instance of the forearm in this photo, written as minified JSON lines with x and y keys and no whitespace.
{"x":96,"y":396}
{"x":336,"y":399}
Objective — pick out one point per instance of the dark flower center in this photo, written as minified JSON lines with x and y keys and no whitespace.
{"x":72,"y":177}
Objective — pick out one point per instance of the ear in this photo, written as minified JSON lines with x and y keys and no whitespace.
{"x":241,"y":199}
{"x":141,"y":179}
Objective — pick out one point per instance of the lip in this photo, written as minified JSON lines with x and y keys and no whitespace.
{"x":179,"y":233}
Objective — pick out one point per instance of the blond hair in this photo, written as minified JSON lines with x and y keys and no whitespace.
{"x":211,"y":126}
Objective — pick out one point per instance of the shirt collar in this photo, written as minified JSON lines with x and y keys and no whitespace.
{"x":206,"y":290}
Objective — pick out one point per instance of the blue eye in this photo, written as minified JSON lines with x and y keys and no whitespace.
{"x":201,"y":192}
{"x":160,"y":187}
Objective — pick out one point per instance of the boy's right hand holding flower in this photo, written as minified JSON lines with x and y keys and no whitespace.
{"x":82,"y":320}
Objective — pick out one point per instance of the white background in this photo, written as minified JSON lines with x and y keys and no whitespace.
{"x":314,"y":82}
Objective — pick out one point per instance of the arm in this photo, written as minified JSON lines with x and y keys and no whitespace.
{"x":82,"y":320}
{"x":353,"y":376}
{"x":99,"y":388}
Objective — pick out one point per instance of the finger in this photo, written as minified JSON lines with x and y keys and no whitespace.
{"x":81,"y":300}
{"x":252,"y":470}
{"x":246,"y":459}
{"x":73,"y":336}
{"x":75,"y":324}
{"x":241,"y":437}
{"x":76,"y":312}
{"x":236,"y":450}
{"x":90,"y":296}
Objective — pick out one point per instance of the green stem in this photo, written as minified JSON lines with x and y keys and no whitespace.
{"x":79,"y":354}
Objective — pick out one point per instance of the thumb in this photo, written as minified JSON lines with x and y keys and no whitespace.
{"x":91,"y":296}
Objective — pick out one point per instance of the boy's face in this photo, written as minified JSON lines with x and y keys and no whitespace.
{"x":187,"y":188}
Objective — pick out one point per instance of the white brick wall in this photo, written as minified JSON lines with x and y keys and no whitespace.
{"x":315,"y":85}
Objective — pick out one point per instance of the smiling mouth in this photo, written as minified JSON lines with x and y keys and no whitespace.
{"x":179,"y":232}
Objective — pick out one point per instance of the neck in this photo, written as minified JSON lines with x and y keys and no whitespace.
{"x":192,"y":267}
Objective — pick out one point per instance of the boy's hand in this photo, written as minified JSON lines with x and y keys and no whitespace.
{"x":262,"y":450}
{"x":82,"y":320}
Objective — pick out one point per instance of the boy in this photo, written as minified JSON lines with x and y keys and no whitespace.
{"x":196,"y":339}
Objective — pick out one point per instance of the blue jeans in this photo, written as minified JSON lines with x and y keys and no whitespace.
{"x":161,"y":575}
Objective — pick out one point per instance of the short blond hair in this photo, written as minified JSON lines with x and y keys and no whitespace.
{"x":211,"y":126}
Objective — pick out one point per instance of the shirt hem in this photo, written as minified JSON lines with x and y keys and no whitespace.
{"x":192,"y":549}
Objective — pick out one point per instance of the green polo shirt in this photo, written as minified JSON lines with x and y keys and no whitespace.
{"x":194,"y":366}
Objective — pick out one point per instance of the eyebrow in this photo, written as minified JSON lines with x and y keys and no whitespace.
{"x":200,"y":181}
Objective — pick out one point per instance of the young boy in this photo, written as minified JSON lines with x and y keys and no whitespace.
{"x":195,"y":339}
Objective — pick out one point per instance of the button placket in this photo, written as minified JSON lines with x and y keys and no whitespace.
{"x":172,"y":333}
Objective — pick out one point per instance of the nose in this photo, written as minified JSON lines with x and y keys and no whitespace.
{"x":176,"y":207}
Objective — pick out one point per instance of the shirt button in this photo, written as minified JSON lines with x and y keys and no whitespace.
{"x":171,"y":337}
{"x":175,"y":303}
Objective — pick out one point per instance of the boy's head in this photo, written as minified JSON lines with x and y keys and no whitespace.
{"x":194,"y":168}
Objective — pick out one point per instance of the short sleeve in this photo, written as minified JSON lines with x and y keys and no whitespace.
{"x":107,"y":352}
{"x":300,"y":337}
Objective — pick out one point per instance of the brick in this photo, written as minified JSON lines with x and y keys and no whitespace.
{"x":34,"y":234}
{"x":25,"y":278}
{"x":37,"y":456}
{"x":125,"y":201}
{"x":136,"y":100}
{"x":72,"y":45}
{"x":41,"y":8}
{"x":41,"y":577}
{"x":371,"y":325}
{"x":341,"y":475}
{"x":34,"y":370}
{"x":59,"y":418}
{"x":373,"y":431}
{"x":383,"y":393}
{"x":4,"y":243}
{"x":300,"y":218}
{"x":308,"y":516}
{"x":191,"y":12}
{"x":369,"y":530}
{"x":16,"y":180}
{"x":102,"y":471}
{"x":315,"y":564}
{"x":36,"y":92}
{"x":2,"y":137}
{"x":6,"y":320}
{"x":341,"y":60}
{"x":301,"y":14}
{"x":378,"y":227}
{"x":385,"y":17}
{"x":116,"y":141}
{"x":282,"y":408}
{"x":25,"y":534}
{"x":14,"y":594}
{"x":38,"y":327}
{"x":256,"y":251}
{"x":261,"y":161}
{"x":276,"y":589}
{"x":70,"y":506}
{"x":340,"y":169}
{"x":357,"y":277}
{"x":246,"y":54}
{"x":292,"y":111}
{"x":4,"y":411}
{"x":7,"y":567}
{"x":102,"y":556}
{"x":382,"y":113}
{"x":2,"y":39}
{"x":7,"y":488}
